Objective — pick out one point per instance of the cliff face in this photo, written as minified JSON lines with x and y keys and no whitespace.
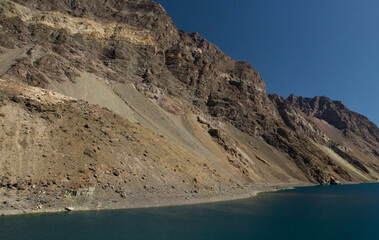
{"x":129,"y":57}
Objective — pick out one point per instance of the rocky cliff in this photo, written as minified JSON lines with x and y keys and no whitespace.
{"x":125,"y":63}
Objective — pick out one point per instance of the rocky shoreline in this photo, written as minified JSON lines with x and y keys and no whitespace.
{"x":138,"y":201}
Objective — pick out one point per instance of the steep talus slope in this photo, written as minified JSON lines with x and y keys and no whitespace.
{"x":54,"y":149}
{"x":129,"y":57}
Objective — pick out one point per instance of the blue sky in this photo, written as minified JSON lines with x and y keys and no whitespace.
{"x":305,"y":47}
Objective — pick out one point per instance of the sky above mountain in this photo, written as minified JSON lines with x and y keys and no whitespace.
{"x":303,"y":47}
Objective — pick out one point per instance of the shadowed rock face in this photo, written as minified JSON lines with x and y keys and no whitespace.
{"x":112,"y":44}
{"x":226,"y":89}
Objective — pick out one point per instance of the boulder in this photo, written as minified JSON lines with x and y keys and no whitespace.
{"x":69,"y":209}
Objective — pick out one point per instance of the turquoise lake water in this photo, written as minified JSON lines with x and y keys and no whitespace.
{"x":322,"y":212}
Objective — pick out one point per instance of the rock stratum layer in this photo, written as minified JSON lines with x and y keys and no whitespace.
{"x":107,"y":104}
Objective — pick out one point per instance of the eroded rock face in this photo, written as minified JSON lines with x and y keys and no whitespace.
{"x":331,"y":124}
{"x":336,"y":114}
{"x":55,"y":42}
{"x":226,"y":89}
{"x":118,"y":40}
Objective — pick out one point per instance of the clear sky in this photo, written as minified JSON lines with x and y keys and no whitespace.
{"x":305,"y":47}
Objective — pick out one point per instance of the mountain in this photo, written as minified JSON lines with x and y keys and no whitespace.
{"x":106,"y":104}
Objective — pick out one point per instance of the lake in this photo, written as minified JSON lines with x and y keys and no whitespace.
{"x":321,"y":212}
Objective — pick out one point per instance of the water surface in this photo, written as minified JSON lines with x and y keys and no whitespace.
{"x":322,"y":212}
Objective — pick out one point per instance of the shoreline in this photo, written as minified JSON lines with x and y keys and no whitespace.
{"x":165,"y":201}
{"x":138,"y":202}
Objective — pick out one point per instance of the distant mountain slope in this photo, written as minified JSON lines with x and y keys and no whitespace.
{"x":183,"y":91}
{"x":337,"y":115}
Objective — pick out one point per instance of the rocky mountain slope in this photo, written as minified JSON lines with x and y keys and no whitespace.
{"x":115,"y":84}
